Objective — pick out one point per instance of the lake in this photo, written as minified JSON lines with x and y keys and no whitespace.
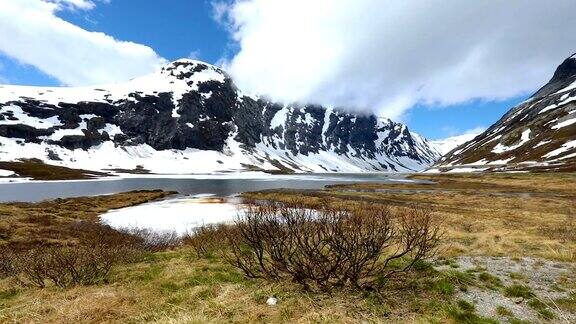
{"x":219,"y":185}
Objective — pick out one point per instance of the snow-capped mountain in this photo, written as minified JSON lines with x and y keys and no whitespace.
{"x":538,"y":134}
{"x":446,"y":145}
{"x":189,"y":117}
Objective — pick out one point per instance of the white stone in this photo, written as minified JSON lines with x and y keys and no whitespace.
{"x":271,"y":301}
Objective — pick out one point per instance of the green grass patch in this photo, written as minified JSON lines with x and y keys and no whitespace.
{"x":503,"y":311}
{"x":568,"y":303}
{"x":206,"y":293}
{"x":516,"y":276}
{"x":149,"y":274}
{"x":541,"y":308}
{"x":518,"y":291}
{"x":9,"y":294}
{"x":444,"y":287}
{"x":169,"y":287}
{"x":211,"y":277}
{"x":452,"y":279}
{"x":546,"y":314}
{"x":460,"y":315}
{"x":517,"y":321}
{"x":466,"y":306}
{"x":423,"y":266}
{"x":489,"y":280}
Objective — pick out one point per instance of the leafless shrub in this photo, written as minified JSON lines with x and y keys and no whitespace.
{"x":6,"y":268}
{"x":143,"y":239}
{"x":87,"y":262}
{"x":68,"y":266}
{"x":207,"y":240}
{"x":155,"y":241}
{"x":330,"y":247}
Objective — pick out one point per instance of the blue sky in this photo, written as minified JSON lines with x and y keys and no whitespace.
{"x":184,"y":28}
{"x":174,"y":31}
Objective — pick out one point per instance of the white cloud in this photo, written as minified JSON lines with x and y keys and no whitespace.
{"x":31,"y":33}
{"x":72,"y":4}
{"x":220,"y":11}
{"x":194,"y":55}
{"x":386,"y":55}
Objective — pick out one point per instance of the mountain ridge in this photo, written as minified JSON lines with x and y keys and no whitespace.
{"x":539,"y":134}
{"x":189,"y":117}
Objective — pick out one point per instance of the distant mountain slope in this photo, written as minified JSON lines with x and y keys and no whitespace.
{"x":538,"y":134}
{"x":446,"y":145}
{"x":190,"y":118}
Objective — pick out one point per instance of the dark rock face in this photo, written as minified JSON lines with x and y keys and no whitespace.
{"x":28,"y":133}
{"x":250,"y":129}
{"x":210,"y":114}
{"x":564,"y":75}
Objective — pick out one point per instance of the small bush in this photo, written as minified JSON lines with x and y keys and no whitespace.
{"x":206,"y":240}
{"x":88,"y":262}
{"x":330,"y":247}
{"x":68,"y":266}
{"x":155,"y":241}
{"x":6,"y":267}
{"x":141,"y":239}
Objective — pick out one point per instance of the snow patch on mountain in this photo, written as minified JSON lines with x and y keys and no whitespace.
{"x":448,"y":144}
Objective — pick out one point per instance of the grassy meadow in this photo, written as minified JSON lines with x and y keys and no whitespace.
{"x":508,"y":254}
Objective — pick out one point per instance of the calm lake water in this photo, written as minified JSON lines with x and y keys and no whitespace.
{"x":218,"y":185}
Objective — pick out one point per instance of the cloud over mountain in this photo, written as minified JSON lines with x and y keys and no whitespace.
{"x":387,"y":55}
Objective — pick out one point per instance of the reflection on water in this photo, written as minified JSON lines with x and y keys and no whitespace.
{"x":217,"y":185}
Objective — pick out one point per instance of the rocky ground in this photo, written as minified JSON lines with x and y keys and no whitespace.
{"x":511,"y":289}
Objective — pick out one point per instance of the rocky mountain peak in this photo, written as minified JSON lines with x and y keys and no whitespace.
{"x":186,"y":69}
{"x":564,"y":75}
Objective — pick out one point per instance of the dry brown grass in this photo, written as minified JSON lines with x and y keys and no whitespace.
{"x":26,"y":225}
{"x":38,"y":170}
{"x":182,"y":285}
{"x":492,"y":214}
{"x":177,"y":287}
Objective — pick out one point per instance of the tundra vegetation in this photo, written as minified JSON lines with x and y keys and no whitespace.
{"x":463,"y":249}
